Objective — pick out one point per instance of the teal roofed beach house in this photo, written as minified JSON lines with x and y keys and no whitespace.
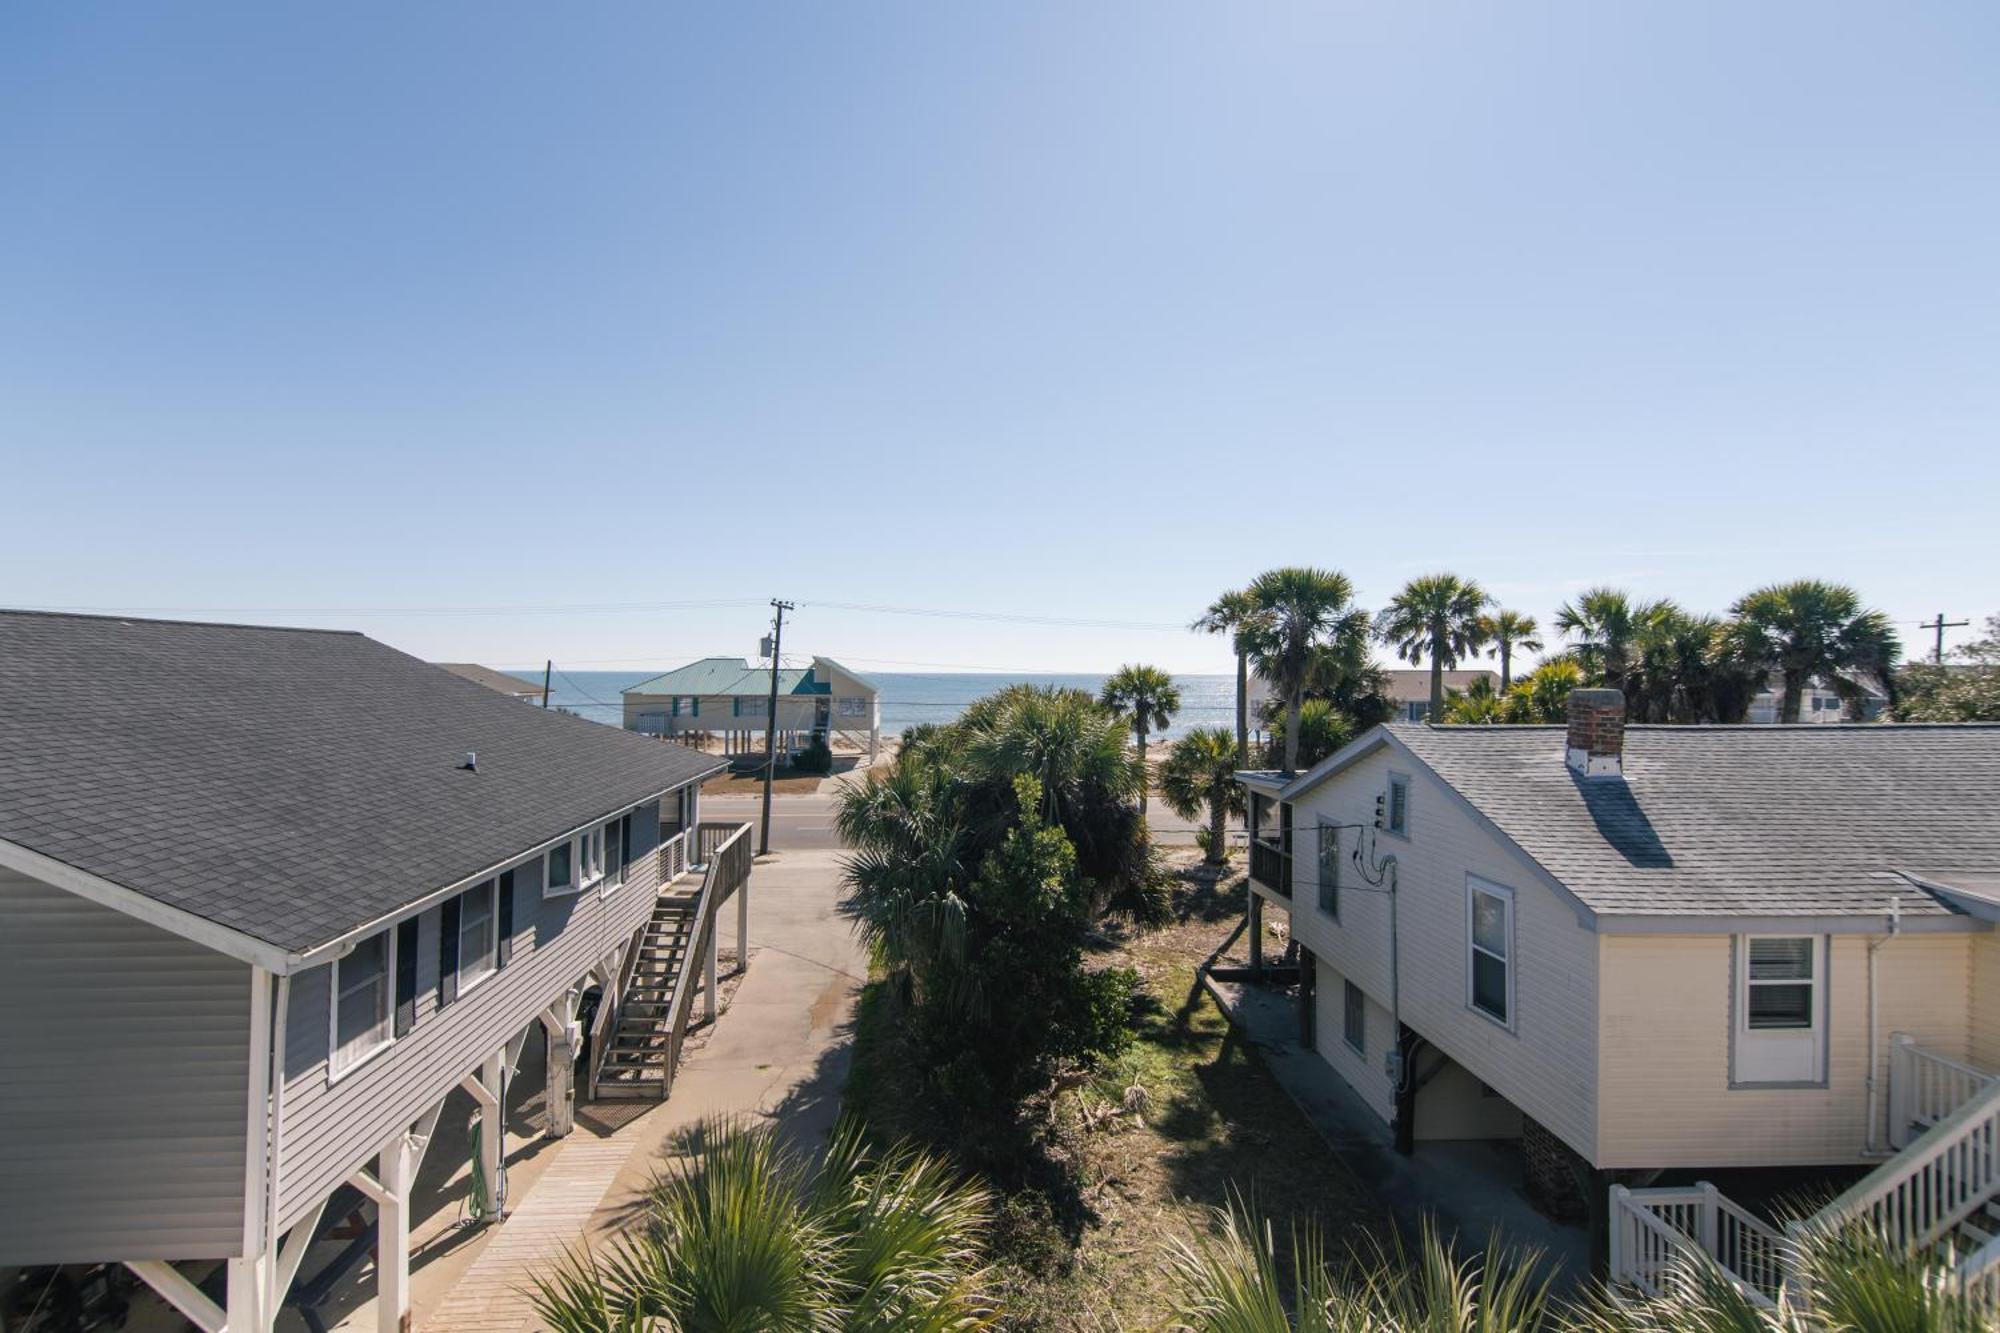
{"x":728,"y":699}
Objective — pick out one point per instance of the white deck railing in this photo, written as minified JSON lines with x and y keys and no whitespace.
{"x":1925,"y":1087}
{"x":1914,"y":1200}
{"x":674,"y":858}
{"x":1655,"y":1230}
{"x":1931,"y":1186}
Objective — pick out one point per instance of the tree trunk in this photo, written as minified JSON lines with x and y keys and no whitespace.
{"x":1145,"y":774}
{"x":1218,"y":827}
{"x":1506,"y":665}
{"x":1295,"y":702}
{"x":1437,"y":683}
{"x":1795,"y":688}
{"x":1242,"y":710}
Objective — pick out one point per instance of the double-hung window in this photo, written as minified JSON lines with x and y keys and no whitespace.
{"x":590,"y":854}
{"x":615,"y":839}
{"x":1329,"y":869}
{"x":1780,"y":1009}
{"x":362,"y":1014}
{"x":1489,"y":943}
{"x":1354,"y":1018}
{"x":478,"y":936}
{"x":562,"y":871}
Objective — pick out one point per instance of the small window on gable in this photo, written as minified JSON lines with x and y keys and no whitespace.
{"x":1399,"y":804}
{"x":1329,"y":870}
{"x":362,"y":1012}
{"x":1489,"y":913}
{"x":1354,"y":1018}
{"x":562,"y":871}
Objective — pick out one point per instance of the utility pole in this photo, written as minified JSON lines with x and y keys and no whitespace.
{"x":771,"y":724}
{"x":548,"y":666}
{"x":1941,"y":625}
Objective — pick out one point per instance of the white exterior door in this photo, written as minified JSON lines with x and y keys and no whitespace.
{"x":1780,"y":1007}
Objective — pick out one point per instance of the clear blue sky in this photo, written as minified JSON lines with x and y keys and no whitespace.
{"x":1074,"y":310}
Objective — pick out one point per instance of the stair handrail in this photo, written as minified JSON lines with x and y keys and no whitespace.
{"x":727,"y":871}
{"x":1645,"y":1247}
{"x":1978,"y":1274}
{"x":1928,"y":1188}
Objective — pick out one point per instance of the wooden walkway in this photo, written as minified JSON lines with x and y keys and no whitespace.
{"x":492,"y":1295}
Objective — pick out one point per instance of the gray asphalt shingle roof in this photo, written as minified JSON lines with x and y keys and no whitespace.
{"x":288,"y":784}
{"x":1749,"y":821}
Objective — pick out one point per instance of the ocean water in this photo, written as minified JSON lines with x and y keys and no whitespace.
{"x":908,"y":697}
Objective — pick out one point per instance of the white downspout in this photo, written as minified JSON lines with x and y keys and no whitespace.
{"x":1874,"y":1144}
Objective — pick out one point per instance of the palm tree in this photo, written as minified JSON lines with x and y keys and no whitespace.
{"x":1438,"y":616}
{"x":1150,"y":698}
{"x":1507,"y":631}
{"x":1302,"y":616}
{"x":1543,"y":694}
{"x":1235,"y":614}
{"x":1233,"y":1280}
{"x":1323,"y":728}
{"x":1606,"y":626}
{"x":1810,"y":631}
{"x":744,"y":1234}
{"x":1201,"y":771}
{"x":1479,"y":703}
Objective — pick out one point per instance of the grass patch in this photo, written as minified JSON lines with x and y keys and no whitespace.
{"x":1186,"y":1115}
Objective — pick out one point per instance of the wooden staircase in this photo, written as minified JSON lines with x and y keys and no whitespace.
{"x":644,"y":1040}
{"x":634,"y":1063}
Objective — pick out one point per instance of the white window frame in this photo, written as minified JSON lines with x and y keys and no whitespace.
{"x":1397,"y":782}
{"x":467,"y":976}
{"x":612,"y":882}
{"x":1474,"y":886}
{"x":551,"y":889}
{"x":337,"y":1066}
{"x":589,"y":867}
{"x":1324,"y":828}
{"x":1360,"y":1048}
{"x":1803,"y":1047}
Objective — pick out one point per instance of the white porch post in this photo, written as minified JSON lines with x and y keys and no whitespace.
{"x":559,"y":1027}
{"x":743,"y":925}
{"x":708,"y":978}
{"x":395,"y":1169}
{"x":493,"y":1127}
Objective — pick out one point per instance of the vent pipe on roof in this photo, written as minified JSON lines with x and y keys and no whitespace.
{"x":471,"y":764}
{"x":1596,"y":733}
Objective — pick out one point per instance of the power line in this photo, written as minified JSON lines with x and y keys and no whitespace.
{"x":1002,"y":617}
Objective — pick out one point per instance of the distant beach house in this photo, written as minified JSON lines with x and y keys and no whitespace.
{"x":1409,"y":689}
{"x":1818,"y":703}
{"x":727,"y":699}
{"x":255,"y":938}
{"x":511,"y":686}
{"x":1629,"y":952}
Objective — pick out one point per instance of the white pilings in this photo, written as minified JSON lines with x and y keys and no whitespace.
{"x":562,"y":1034}
{"x":487,"y":1087}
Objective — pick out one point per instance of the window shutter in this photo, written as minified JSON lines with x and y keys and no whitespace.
{"x":504,"y":906}
{"x":406,"y":976}
{"x":448,"y":953}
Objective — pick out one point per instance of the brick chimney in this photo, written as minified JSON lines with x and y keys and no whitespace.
{"x":1597,"y":733}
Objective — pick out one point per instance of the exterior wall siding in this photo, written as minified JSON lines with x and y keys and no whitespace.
{"x":1361,"y":1070}
{"x":1985,"y":1035}
{"x":1665,"y":1050}
{"x":1547,"y":1063}
{"x":331,"y":1126}
{"x":126,"y":1057}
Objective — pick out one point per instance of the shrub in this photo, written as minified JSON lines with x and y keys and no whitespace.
{"x":814,"y":758}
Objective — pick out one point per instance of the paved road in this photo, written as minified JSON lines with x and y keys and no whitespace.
{"x":805,"y":823}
